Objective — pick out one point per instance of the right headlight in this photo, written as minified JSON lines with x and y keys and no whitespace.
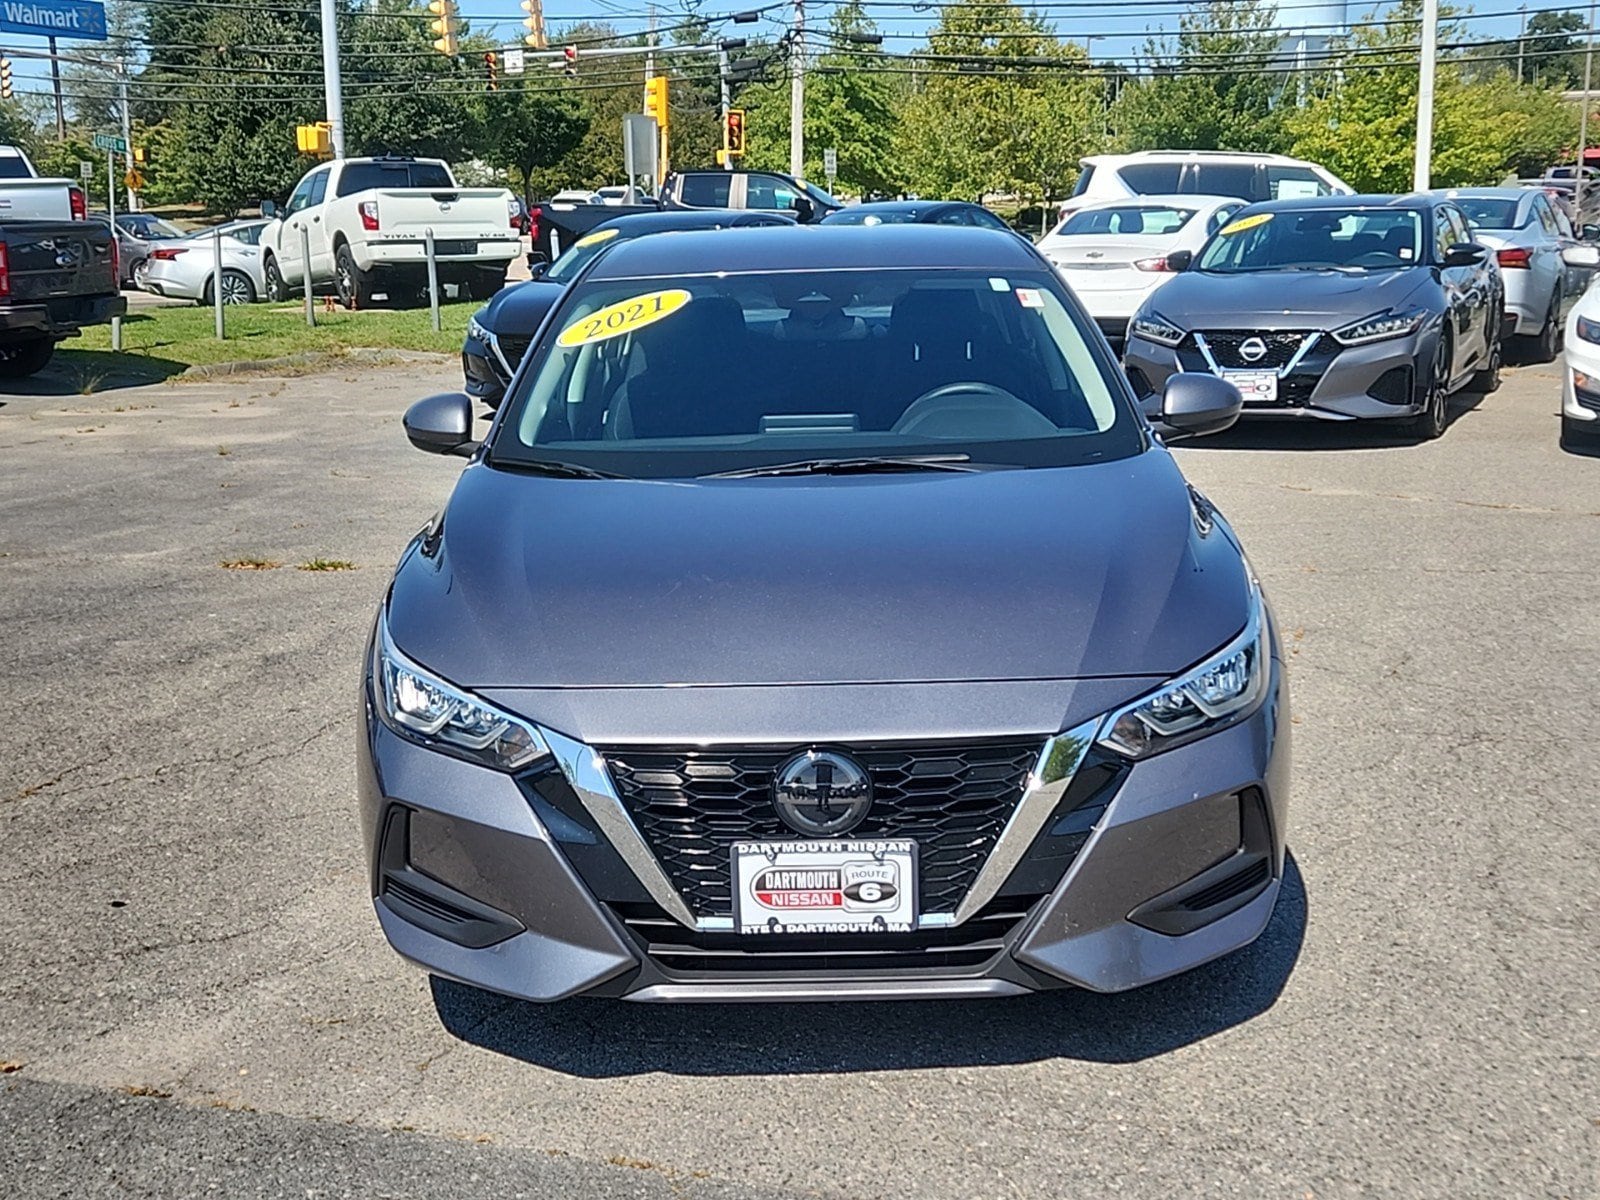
{"x":1156,"y":328}
{"x":1380,"y":327}
{"x":476,"y":330}
{"x":1219,"y":692}
{"x":1587,"y":330}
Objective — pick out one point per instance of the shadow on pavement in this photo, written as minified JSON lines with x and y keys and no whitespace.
{"x":608,"y":1038}
{"x":89,"y":372}
{"x":1312,"y":434}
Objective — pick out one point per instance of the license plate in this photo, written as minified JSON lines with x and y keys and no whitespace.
{"x":825,"y":887}
{"x":1257,"y":387}
{"x":455,"y":247}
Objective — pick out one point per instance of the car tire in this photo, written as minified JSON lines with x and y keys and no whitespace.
{"x":21,"y":359}
{"x":1487,"y":379}
{"x":1431,"y":421}
{"x":140,"y":276}
{"x":237,"y":288}
{"x":1541,"y":347}
{"x":277,"y":289}
{"x":352,"y":283}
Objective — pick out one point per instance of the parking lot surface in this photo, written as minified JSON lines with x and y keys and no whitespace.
{"x":195,"y":997}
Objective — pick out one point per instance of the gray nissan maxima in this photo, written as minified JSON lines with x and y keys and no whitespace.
{"x":819,"y":618}
{"x":1337,"y":308}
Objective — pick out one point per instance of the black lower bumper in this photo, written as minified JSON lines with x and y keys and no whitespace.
{"x":59,"y":317}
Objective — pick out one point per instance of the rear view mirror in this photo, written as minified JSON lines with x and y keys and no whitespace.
{"x":1581,"y":256}
{"x":441,"y":424}
{"x":1196,"y":404}
{"x":1179,"y":260}
{"x":536,"y":270}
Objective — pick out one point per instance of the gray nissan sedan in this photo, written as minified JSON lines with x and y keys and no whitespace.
{"x":819,"y":618}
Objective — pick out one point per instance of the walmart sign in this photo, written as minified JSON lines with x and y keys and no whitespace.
{"x":55,"y":18}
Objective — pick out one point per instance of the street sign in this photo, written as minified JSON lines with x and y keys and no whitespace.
{"x":515,"y":63}
{"x":830,"y":165}
{"x":84,"y":19}
{"x":85,"y":169}
{"x":108,"y":141}
{"x":133,"y":181}
{"x":640,"y":145}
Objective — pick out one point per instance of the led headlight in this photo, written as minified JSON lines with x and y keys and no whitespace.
{"x":423,"y":708}
{"x":1156,"y":328}
{"x":478,"y":332}
{"x":1380,"y":327}
{"x":1588,"y":330}
{"x":1220,"y":691}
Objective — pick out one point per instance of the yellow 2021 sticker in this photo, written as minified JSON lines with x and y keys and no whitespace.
{"x":618,"y":319}
{"x":1244,"y":224}
{"x":595,"y":238}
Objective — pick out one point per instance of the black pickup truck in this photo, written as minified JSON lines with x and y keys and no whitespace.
{"x":55,"y":278}
{"x":554,"y":227}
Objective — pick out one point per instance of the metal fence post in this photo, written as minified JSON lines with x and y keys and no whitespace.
{"x":216,"y":280}
{"x":111,"y":208}
{"x":433,"y":277}
{"x":305,"y":274}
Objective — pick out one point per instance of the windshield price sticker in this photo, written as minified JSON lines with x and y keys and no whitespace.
{"x":1030,"y":297}
{"x":1245,"y":224}
{"x":618,"y":319}
{"x":595,"y":238}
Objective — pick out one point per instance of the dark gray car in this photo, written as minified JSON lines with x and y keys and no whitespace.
{"x":818,"y":618}
{"x":1339,"y":308}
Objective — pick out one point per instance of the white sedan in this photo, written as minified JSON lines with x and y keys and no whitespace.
{"x":1580,"y":368}
{"x":1114,"y":253}
{"x":182,"y":269}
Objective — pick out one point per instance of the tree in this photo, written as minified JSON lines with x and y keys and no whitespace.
{"x":531,"y":128}
{"x":1547,"y":55}
{"x":1003,"y":107}
{"x":1210,"y":88}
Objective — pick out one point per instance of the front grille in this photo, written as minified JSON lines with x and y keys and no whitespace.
{"x":514,"y":347}
{"x":1281,"y":347}
{"x":692,"y":805}
{"x":688,"y":953}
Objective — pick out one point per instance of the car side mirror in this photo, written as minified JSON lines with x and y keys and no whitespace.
{"x":804,"y":210}
{"x":270,"y":210}
{"x":536,"y":270}
{"x":1581,"y":256}
{"x":1589,"y":233}
{"x":1465,"y":254}
{"x":1180,"y":260}
{"x":441,"y":424}
{"x":1195,"y":404}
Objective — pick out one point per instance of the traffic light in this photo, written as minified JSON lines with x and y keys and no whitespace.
{"x":314,"y":139}
{"x":491,"y":65}
{"x":5,"y":78}
{"x":734,"y":137}
{"x":570,"y":54}
{"x":445,"y":26}
{"x":534,"y":23}
{"x":140,"y":155}
{"x":655,"y":100}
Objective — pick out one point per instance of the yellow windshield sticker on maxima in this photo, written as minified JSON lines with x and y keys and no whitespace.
{"x":618,"y":319}
{"x":595,"y":238}
{"x":1245,"y":223}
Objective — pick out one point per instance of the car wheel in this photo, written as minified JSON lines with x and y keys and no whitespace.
{"x":352,"y":283}
{"x":141,"y":274}
{"x":21,"y":359}
{"x":1430,"y":422}
{"x":1543,"y":346}
{"x":1487,"y":379}
{"x":277,"y":289}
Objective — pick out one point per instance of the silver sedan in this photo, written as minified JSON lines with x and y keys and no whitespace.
{"x":183,"y":268}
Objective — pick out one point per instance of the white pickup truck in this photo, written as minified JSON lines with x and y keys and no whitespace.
{"x":365,"y":222}
{"x":26,"y":197}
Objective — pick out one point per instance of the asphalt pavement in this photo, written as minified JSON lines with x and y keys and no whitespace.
{"x":195,"y":998}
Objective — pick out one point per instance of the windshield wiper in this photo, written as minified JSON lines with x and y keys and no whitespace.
{"x":561,"y":470}
{"x":855,"y":466}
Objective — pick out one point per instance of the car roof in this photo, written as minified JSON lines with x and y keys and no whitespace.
{"x":634,"y":224}
{"x":1359,"y":200}
{"x":1251,"y":156}
{"x":817,"y":247}
{"x":1487,"y":193}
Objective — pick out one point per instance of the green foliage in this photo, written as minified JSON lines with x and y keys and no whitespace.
{"x":529,"y":128}
{"x":1549,"y":56}
{"x":1227,"y":102}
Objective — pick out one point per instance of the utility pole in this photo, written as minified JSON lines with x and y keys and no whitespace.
{"x":1522,"y":35}
{"x":1423,"y":172}
{"x":127,"y":130}
{"x":55,"y":80}
{"x":330,"y":77}
{"x":1583,"y":122}
{"x":722,"y":77}
{"x":797,"y":92}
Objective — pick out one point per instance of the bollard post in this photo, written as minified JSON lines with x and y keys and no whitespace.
{"x":305,"y":274}
{"x":216,"y":281}
{"x":433,"y":277}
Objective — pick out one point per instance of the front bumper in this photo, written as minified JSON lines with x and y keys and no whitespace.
{"x":1328,"y":381}
{"x":1141,"y":871}
{"x":1580,"y":405}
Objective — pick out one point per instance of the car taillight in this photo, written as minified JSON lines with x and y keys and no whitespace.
{"x":1514,"y":256}
{"x":167,"y":253}
{"x":79,"y":202}
{"x":534,"y":213}
{"x":1152,"y":264}
{"x":514,"y":213}
{"x":5,"y":271}
{"x":369,"y":215}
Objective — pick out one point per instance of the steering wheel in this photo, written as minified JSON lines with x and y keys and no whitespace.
{"x":973,"y":387}
{"x":972,"y":408}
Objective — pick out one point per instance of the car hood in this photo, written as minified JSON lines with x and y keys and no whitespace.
{"x":1065,"y":573}
{"x":518,"y":310}
{"x":1285,"y":299}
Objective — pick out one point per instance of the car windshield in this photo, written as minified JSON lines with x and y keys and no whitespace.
{"x":696,"y":375}
{"x":1152,"y":219}
{"x":150,"y":228}
{"x":574,"y":260}
{"x":873,"y":216}
{"x":1489,"y":213}
{"x":1353,"y":239}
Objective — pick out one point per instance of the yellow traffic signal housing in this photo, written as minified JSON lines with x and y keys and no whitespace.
{"x":534,"y":23}
{"x":445,"y":26}
{"x":655,"y":100}
{"x":734,"y":138}
{"x":140,"y":155}
{"x":314,"y":139}
{"x":5,"y":79}
{"x":491,"y":64}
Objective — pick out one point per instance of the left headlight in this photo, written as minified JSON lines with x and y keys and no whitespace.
{"x":422,"y":708}
{"x":1219,"y":692}
{"x":476,"y":330}
{"x":1380,"y":327}
{"x":1587,"y":330}
{"x":1156,"y":328}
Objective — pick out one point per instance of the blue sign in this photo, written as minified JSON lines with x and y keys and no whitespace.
{"x":55,"y":18}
